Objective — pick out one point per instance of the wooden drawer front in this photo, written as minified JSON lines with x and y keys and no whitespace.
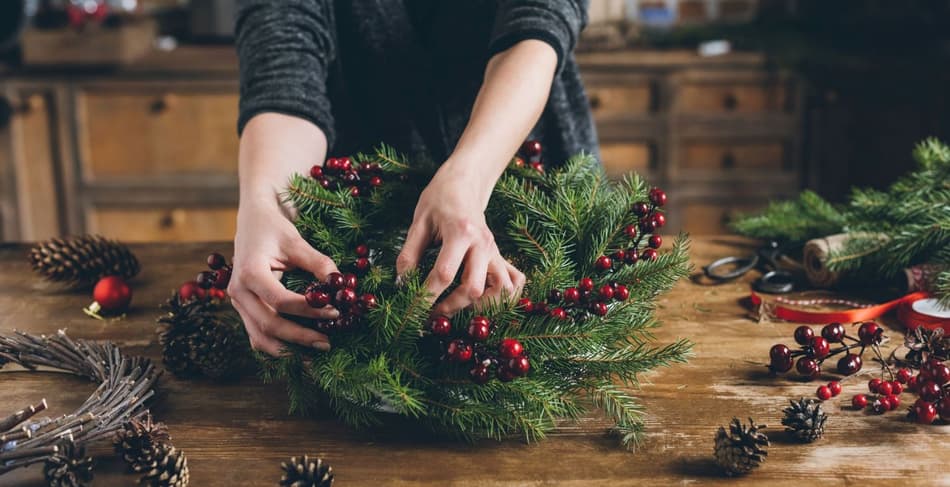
{"x":713,"y":218}
{"x":608,"y":101}
{"x":726,"y":98}
{"x":715,"y":156}
{"x":163,"y":224}
{"x":155,"y":133}
{"x":620,"y":158}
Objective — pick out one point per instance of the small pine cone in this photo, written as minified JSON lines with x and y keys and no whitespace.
{"x":199,"y":338}
{"x":83,"y":260}
{"x":805,"y":419}
{"x":140,"y":442}
{"x":742,"y":448}
{"x":306,"y":472}
{"x":168,"y":469}
{"x":217,"y":350}
{"x":69,"y":466}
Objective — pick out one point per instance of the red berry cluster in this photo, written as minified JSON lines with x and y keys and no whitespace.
{"x":828,"y":391}
{"x":575,"y":301}
{"x":508,"y":358}
{"x":649,"y":219}
{"x":815,"y":349}
{"x":209,"y":284}
{"x":338,"y":172}
{"x":932,"y":385}
{"x":339,"y":291}
{"x":530,"y":151}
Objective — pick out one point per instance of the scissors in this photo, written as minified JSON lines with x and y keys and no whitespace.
{"x":765,"y":259}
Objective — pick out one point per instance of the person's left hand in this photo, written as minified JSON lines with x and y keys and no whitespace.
{"x":449,"y":213}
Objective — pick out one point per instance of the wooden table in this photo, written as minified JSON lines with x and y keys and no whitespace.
{"x":237,"y":434}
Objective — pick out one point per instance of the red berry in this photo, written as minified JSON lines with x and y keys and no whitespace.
{"x":649,"y":254}
{"x":904,"y":375}
{"x":893,"y":401}
{"x":517,"y":161}
{"x":479,"y":328}
{"x":216,"y":261}
{"x":824,"y":393}
{"x":190,"y":290}
{"x":621,"y":293}
{"x":440,"y":326}
{"x":479,"y":374}
{"x":537,"y":166}
{"x":640,"y":209}
{"x":531,"y":148}
{"x":803,"y":335}
{"x":648,"y":226}
{"x":206,"y":279}
{"x":659,"y":220}
{"x":657,"y":197}
{"x":540,"y":308}
{"x":655,"y":241}
{"x":631,"y":256}
{"x":820,"y":348}
{"x":943,"y":408}
{"x":350,"y":281}
{"x":630,"y":231}
{"x":780,"y":358}
{"x":504,"y":374}
{"x":351,"y":177}
{"x":345,"y":296}
{"x":874,"y":385}
{"x":558,"y":313}
{"x":216,"y":293}
{"x":375,"y":181}
{"x":808,"y":367}
{"x":325,"y":183}
{"x":519,"y":365}
{"x":316,"y":172}
{"x":354,"y":191}
{"x":599,"y":309}
{"x":317,"y":298}
{"x":459,"y":351}
{"x":859,"y":401}
{"x":897,"y":388}
{"x":112,"y":293}
{"x":606,"y":292}
{"x":332,"y":164}
{"x":345,"y":164}
{"x":940,"y":374}
{"x":572,"y":295}
{"x":884,"y":388}
{"x":335,"y":280}
{"x":361,"y":264}
{"x":585,"y":284}
{"x":362,"y":250}
{"x":833,"y":332}
{"x":835,"y":387}
{"x":510,"y":348}
{"x":555,"y":296}
{"x":619,"y":256}
{"x":368,"y":301}
{"x":881,"y":405}
{"x":525,"y":305}
{"x":929,"y":391}
{"x":870,"y":333}
{"x":222,"y":277}
{"x":849,"y":364}
{"x":603,"y":263}
{"x":912,"y":384}
{"x":925,"y":413}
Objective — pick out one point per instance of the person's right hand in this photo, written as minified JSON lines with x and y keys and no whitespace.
{"x":265,"y":245}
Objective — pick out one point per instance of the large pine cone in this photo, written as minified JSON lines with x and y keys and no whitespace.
{"x":742,"y":448}
{"x":306,"y":472}
{"x":168,"y":469}
{"x":140,"y":442}
{"x":805,"y":419}
{"x":68,"y":467}
{"x":83,"y":260}
{"x":199,"y":338}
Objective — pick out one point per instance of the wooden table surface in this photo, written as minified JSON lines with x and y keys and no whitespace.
{"x":237,"y":434}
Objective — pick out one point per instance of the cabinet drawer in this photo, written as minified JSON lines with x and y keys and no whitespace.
{"x":741,"y":97}
{"x":702,"y":218}
{"x":617,"y":101}
{"x":620,"y":158}
{"x":717,"y":156}
{"x":163,"y":224}
{"x":128,"y":133}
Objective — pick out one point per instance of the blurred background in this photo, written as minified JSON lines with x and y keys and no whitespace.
{"x":118,"y":116}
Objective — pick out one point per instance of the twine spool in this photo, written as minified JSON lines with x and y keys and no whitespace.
{"x":815,"y":258}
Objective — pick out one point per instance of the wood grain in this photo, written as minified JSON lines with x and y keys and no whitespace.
{"x":236,"y":434}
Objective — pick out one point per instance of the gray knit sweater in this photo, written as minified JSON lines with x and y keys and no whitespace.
{"x":403,"y":72}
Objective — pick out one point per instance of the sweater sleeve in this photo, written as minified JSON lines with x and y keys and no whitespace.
{"x":557,"y":22}
{"x":285,"y":48}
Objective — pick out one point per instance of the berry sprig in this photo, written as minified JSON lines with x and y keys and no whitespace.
{"x":508,"y":357}
{"x":932,"y":385}
{"x":576,"y":301}
{"x":529,"y":151}
{"x":340,"y":172}
{"x":649,"y":219}
{"x":815,"y":349}
{"x":339,"y":291}
{"x":210,"y":284}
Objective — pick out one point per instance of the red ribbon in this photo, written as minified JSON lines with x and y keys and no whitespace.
{"x":905,"y":313}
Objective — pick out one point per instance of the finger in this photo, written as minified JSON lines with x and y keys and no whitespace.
{"x":266,"y":287}
{"x":500,"y":284}
{"x":259,"y":341}
{"x":473,"y":283}
{"x":518,"y":280}
{"x":417,"y":239}
{"x":311,"y":260}
{"x":446,"y":266}
{"x":272,"y":325}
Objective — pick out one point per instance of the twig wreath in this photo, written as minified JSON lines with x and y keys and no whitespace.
{"x":125,"y":385}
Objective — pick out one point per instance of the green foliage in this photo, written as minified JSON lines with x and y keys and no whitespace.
{"x":552,"y":226}
{"x":906,"y":225}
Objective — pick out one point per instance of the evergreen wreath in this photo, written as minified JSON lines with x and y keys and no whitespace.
{"x":579,"y":337}
{"x":888,"y":231}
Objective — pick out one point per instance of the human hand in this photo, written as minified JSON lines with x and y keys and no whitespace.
{"x":448,"y":212}
{"x":265,"y":245}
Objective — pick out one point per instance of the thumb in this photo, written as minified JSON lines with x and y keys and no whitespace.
{"x":412,"y":249}
{"x":305,"y":257}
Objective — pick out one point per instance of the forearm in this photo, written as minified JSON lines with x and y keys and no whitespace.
{"x":273,"y":147}
{"x":513,"y":95}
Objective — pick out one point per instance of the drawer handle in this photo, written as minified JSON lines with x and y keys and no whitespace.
{"x":163,"y":104}
{"x":167,"y":220}
{"x":594,"y":101}
{"x":730,"y":102}
{"x":728,"y":160}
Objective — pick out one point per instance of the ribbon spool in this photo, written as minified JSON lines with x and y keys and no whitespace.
{"x":913,"y":310}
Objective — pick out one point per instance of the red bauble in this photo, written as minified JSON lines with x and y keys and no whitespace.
{"x":480,"y":374}
{"x":823,"y":393}
{"x":803,"y":335}
{"x":517,"y":161}
{"x":599,"y":309}
{"x":350,"y":281}
{"x":525,"y":304}
{"x":316,"y":172}
{"x":335,"y":280}
{"x":655,"y":241}
{"x":113,"y":294}
{"x":216,"y":261}
{"x":585,"y":284}
{"x":440,"y":326}
{"x":479,"y":328}
{"x":368,"y":301}
{"x":859,"y":401}
{"x":361,"y":264}
{"x":459,"y":351}
{"x":191,"y":290}
{"x":572,"y":295}
{"x":630,"y":231}
{"x":649,"y":254}
{"x":820,"y":348}
{"x":603,"y":263}
{"x":510,"y":348}
{"x":317,"y":298}
{"x":657,"y":197}
{"x":362,"y":250}
{"x":206,"y":279}
{"x":519,"y":365}
{"x":621,"y":293}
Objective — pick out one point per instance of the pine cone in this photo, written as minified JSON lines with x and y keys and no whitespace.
{"x":69,"y":466}
{"x":168,"y":469}
{"x":742,"y":448}
{"x":198,"y":338}
{"x":83,"y":260}
{"x":805,"y":420}
{"x":306,"y":472}
{"x":140,"y":442}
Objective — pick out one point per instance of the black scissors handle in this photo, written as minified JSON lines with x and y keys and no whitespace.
{"x":742,"y":265}
{"x":775,"y":282}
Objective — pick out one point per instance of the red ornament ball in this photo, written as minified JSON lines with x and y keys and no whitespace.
{"x":780,"y":358}
{"x":869,"y":332}
{"x":897,"y":388}
{"x":345,"y":164}
{"x":849,"y":364}
{"x":332,"y":164}
{"x":375,"y":181}
{"x":222,"y":277}
{"x":808,"y":367}
{"x":531,"y":148}
{"x":354,"y":191}
{"x":659,"y":220}
{"x":640,"y":209}
{"x":904,"y":375}
{"x":216,"y":293}
{"x":929,"y":391}
{"x":940,"y":374}
{"x":345,"y":296}
{"x":113,"y":294}
{"x":479,"y":328}
{"x":440,"y":326}
{"x":833,"y":332}
{"x":631,"y":256}
{"x":874,"y":385}
{"x":510,"y":348}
